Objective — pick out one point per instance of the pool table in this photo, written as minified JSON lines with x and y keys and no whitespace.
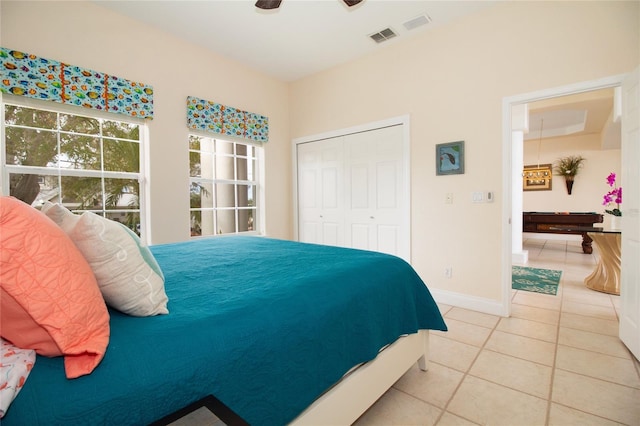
{"x":563,"y":223}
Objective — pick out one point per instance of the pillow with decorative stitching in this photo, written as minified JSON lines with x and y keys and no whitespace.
{"x":49,"y":298}
{"x":128,"y":275}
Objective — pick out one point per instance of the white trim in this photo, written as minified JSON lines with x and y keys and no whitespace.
{"x":344,"y":403}
{"x":507,"y":161}
{"x":403,"y":120}
{"x":479,"y":304}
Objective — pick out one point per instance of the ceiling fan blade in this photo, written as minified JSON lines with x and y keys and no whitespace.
{"x":268,"y":4}
{"x":351,"y":2}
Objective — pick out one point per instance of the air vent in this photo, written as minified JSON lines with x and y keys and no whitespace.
{"x":383,"y":35}
{"x":416,"y":22}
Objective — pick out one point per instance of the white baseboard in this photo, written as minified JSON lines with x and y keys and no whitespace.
{"x":487,"y":306}
{"x":520,"y":257}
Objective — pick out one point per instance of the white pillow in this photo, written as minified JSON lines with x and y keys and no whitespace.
{"x":60,"y":215}
{"x":128,"y":275}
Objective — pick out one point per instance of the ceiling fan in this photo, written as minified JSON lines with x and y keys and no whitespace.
{"x":274,"y":4}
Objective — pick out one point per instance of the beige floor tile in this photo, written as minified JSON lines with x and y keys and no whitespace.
{"x":473,"y":317}
{"x":435,"y":386}
{"x":449,"y":419}
{"x":444,"y":308}
{"x":597,"y":397}
{"x":450,"y":353}
{"x":515,"y":373}
{"x":527,"y":328}
{"x":522,"y":347}
{"x":588,"y":310}
{"x":582,"y":294}
{"x":608,"y":345}
{"x":549,"y":316}
{"x":466,"y":333}
{"x":544,"y":301}
{"x":487,"y":403}
{"x":600,"y":366}
{"x":398,"y":408}
{"x":564,"y":416}
{"x":592,"y":324}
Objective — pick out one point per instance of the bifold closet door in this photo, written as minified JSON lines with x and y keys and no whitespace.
{"x":375,"y":191}
{"x":320,"y":192}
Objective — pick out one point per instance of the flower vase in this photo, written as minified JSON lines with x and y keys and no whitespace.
{"x":615,"y":223}
{"x":569,"y":182}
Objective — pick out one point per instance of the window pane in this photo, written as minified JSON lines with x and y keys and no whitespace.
{"x":121,"y":193}
{"x":245,"y":220}
{"x":201,"y":195}
{"x":22,"y":116}
{"x":121,"y":156}
{"x":194,"y":143}
{"x":79,"y":124}
{"x":129,"y":219}
{"x":224,"y":147}
{"x":194,"y":164}
{"x":224,"y":168}
{"x":225,"y":196}
{"x":79,"y":152}
{"x":29,"y":147}
{"x":196,"y":223}
{"x":226,"y":221}
{"x":202,"y":165}
{"x":116,"y":129}
{"x":34,"y":189}
{"x":82,"y":193}
{"x":242,"y":169}
{"x":246,"y":195}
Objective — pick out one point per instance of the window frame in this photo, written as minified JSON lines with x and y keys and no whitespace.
{"x":257,"y":182}
{"x":143,"y":145}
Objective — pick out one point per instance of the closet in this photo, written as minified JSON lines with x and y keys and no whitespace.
{"x":353,"y":189}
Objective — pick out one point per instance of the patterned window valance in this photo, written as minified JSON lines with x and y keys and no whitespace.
{"x":212,"y":117}
{"x":29,"y":75}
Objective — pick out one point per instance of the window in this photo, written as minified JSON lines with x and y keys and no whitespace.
{"x":86,"y":162}
{"x":223,"y":186}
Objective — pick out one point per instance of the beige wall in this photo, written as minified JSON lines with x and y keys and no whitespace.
{"x":88,"y":35}
{"x":452,"y":81}
{"x":590,"y":184}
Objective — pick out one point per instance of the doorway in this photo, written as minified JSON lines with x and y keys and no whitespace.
{"x":513,"y":157}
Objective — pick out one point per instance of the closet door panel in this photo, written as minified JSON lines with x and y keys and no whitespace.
{"x":353,"y":190}
{"x":320,"y":192}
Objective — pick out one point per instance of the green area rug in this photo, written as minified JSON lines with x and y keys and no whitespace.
{"x":538,"y":280}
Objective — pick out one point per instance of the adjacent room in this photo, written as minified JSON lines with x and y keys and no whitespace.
{"x":240,"y":151}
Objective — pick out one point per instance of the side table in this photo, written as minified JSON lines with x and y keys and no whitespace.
{"x":606,"y":276}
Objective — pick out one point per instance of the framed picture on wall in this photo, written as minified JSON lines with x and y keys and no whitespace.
{"x":537,"y":178}
{"x":450,"y":158}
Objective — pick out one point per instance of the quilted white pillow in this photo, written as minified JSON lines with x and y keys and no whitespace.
{"x":128,"y":275}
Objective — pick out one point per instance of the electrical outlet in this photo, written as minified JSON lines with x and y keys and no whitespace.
{"x":448,"y":272}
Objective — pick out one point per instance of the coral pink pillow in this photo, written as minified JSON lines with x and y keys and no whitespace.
{"x":49,"y":298}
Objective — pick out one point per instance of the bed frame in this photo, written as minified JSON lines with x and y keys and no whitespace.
{"x":344,"y":403}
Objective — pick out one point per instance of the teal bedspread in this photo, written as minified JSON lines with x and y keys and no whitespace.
{"x":265,"y":325}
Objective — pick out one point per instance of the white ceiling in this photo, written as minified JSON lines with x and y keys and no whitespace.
{"x":303,"y":37}
{"x":300,"y":38}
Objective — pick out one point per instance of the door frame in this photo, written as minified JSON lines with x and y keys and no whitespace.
{"x":405,"y":122}
{"x":508,"y":160}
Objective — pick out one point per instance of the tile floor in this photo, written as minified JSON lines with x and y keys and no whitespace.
{"x":556,"y":361}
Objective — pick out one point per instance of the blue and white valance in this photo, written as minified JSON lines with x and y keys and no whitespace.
{"x":216,"y":118}
{"x":34,"y":77}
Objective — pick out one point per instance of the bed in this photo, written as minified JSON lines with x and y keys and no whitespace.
{"x":271,"y":328}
